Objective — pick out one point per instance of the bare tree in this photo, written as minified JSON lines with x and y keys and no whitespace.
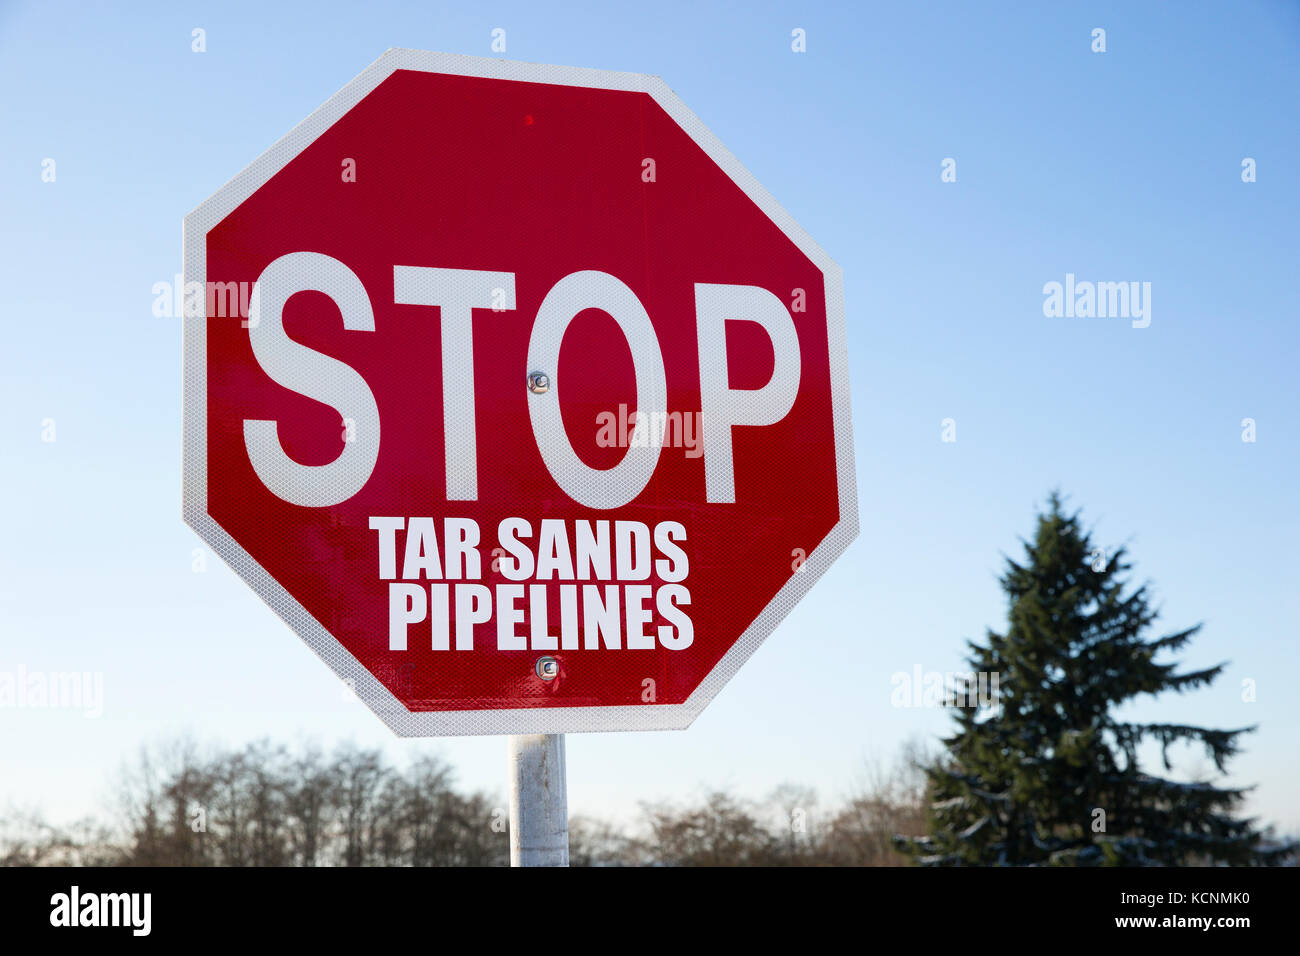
{"x":893,"y":800}
{"x":309,"y":793}
{"x":721,"y":831}
{"x":594,"y":842}
{"x":359,"y":777}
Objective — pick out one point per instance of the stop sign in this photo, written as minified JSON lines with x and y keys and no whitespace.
{"x":515,"y":396}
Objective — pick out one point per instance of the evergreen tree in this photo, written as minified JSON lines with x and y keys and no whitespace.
{"x":1047,"y":774}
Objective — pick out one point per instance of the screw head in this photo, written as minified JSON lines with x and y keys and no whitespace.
{"x":547,"y":668}
{"x":538,"y":383}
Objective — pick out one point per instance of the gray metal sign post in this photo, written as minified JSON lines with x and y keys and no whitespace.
{"x":539,"y":805}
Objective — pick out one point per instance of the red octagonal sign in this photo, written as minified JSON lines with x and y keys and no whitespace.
{"x":516,"y":396}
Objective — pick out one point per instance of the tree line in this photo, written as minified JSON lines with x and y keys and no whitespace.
{"x":267,"y":805}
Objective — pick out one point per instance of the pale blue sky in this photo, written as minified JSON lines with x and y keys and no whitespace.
{"x":1117,"y":166}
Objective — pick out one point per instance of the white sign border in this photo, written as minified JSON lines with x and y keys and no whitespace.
{"x":528,"y":720}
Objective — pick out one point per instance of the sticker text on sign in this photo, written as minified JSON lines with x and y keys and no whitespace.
{"x":610,"y":615}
